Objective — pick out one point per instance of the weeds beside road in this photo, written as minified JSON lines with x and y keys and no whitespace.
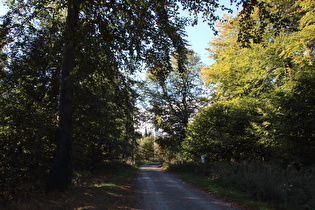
{"x":253,"y":185}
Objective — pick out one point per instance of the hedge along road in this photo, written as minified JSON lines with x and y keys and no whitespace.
{"x":157,"y":189}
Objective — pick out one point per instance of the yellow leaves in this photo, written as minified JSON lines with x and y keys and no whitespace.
{"x":208,"y":75}
{"x":236,"y":70}
{"x":158,"y":120}
{"x":307,"y":19}
{"x":307,"y":7}
{"x":299,"y":46}
{"x":266,"y":65}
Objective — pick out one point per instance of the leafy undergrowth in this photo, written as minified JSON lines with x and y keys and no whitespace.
{"x":108,"y":188}
{"x":253,"y":185}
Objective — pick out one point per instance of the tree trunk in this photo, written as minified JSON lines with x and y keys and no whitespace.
{"x":61,"y":173}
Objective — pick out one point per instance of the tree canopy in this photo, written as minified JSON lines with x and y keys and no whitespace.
{"x":69,"y":93}
{"x":65,"y":78}
{"x":274,"y":76}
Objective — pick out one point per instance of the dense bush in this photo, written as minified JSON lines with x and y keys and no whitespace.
{"x":220,"y":132}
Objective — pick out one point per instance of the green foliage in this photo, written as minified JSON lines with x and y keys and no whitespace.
{"x":29,"y":89}
{"x":287,"y":121}
{"x":174,"y":101}
{"x":108,"y":42}
{"x":274,"y":77}
{"x":100,"y":123}
{"x":29,"y":82}
{"x":263,"y":109}
{"x":220,"y":132}
{"x":146,"y":148}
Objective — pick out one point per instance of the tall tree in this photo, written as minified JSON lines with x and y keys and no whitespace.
{"x":163,"y":34}
{"x":124,"y":32}
{"x":174,"y":101}
{"x":275,"y":72}
{"x":61,"y":172}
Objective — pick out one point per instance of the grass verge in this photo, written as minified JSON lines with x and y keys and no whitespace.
{"x":107,"y":188}
{"x":239,"y":199}
{"x":252,"y":185}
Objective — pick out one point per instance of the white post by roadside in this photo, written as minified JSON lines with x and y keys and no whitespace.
{"x":202,"y":159}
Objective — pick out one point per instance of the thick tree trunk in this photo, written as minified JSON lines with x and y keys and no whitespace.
{"x":61,"y":173}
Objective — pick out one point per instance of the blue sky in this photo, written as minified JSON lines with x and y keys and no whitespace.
{"x":201,"y":34}
{"x":198,"y":38}
{"x":2,"y":9}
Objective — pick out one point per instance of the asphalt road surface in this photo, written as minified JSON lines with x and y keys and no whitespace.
{"x":157,"y":189}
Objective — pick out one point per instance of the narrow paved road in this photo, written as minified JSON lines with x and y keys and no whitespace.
{"x":157,"y":189}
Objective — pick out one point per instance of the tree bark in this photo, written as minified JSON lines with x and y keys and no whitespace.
{"x":61,"y":173}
